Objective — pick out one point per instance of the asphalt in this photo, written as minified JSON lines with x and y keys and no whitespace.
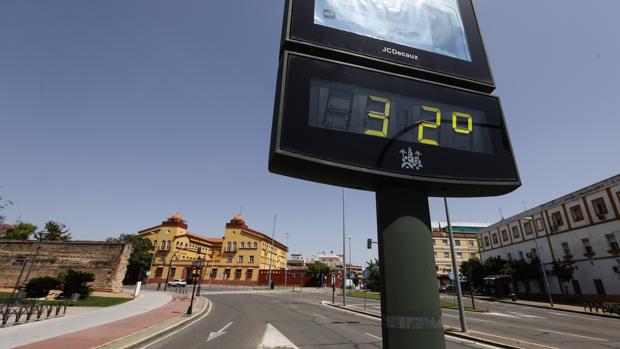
{"x":240,"y":320}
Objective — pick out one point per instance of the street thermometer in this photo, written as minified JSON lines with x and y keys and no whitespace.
{"x":392,"y":97}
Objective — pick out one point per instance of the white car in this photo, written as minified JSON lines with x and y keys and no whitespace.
{"x":177,"y":283}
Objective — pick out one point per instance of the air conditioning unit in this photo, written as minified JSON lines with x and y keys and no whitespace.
{"x":616,"y":269}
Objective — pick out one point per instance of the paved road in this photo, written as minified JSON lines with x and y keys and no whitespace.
{"x":553,"y":328}
{"x":293,"y":319}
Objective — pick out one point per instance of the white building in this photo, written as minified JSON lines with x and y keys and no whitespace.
{"x":582,"y":227}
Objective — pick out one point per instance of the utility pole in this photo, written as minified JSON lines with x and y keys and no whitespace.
{"x":542,"y":267}
{"x":344,"y":257}
{"x":350,"y":262}
{"x":286,"y":265}
{"x":273,"y":234}
{"x":455,"y":270}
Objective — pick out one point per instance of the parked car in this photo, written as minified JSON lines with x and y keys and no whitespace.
{"x":177,"y":283}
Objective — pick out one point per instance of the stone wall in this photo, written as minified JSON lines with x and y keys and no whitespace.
{"x":108,"y":261}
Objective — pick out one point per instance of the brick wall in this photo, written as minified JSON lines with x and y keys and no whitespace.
{"x":108,"y":261}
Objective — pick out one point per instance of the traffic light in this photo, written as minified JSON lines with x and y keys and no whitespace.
{"x":369,"y":243}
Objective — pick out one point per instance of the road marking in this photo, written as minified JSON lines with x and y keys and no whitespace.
{"x":501,"y":314}
{"x":574,"y":335}
{"x":221,"y":332}
{"x":372,"y":335}
{"x":513,"y":339}
{"x":526,"y":315}
{"x":315,"y":314}
{"x":466,"y":341}
{"x":575,"y":316}
{"x":468,"y":318}
{"x":182,"y":328}
{"x":293,"y":306}
{"x":275,"y":339}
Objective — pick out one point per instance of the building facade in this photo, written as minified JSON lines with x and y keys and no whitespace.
{"x":235,"y":258}
{"x":581,"y":229}
{"x":465,"y":246}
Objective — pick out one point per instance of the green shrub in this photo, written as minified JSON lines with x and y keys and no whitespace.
{"x":74,"y":281}
{"x":41,"y":286}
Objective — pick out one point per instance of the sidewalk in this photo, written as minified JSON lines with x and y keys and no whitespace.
{"x":15,"y":336}
{"x":565,"y":307}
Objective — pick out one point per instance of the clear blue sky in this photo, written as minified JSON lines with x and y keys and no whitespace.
{"x":116,"y":114}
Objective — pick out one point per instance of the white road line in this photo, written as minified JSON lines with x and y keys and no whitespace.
{"x":294,"y":306}
{"x":221,"y":332}
{"x":321,"y":316}
{"x":526,"y":315}
{"x":468,"y":318}
{"x":575,"y":316}
{"x":182,"y":328}
{"x":275,"y":339}
{"x":574,"y":335}
{"x":465,"y":341}
{"x":501,"y":314}
{"x":372,"y":335}
{"x":513,"y":339}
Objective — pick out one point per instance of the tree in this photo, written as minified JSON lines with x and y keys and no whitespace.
{"x":526,"y":272}
{"x":373,"y":281}
{"x":564,"y":272}
{"x":140,"y":258}
{"x":474,"y":270}
{"x":493,"y":266}
{"x":317,"y":272}
{"x":57,"y":231}
{"x":41,"y":286}
{"x":19,"y":231}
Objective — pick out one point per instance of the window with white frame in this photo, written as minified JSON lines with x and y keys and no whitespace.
{"x":566,"y":249}
{"x":515,"y":232}
{"x":251,"y":259}
{"x":240,"y":259}
{"x":229,"y":259}
{"x":528,"y":228}
{"x":587,"y":245}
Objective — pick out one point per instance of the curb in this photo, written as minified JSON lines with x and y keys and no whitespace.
{"x":447,"y":330}
{"x":560,"y":309}
{"x":159,"y":333}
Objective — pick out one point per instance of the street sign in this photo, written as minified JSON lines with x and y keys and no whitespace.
{"x":462,"y":278}
{"x":366,"y":273}
{"x":352,"y":275}
{"x":451,"y":275}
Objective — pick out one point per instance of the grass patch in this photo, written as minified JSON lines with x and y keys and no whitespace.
{"x":92,"y":301}
{"x":444,"y":304}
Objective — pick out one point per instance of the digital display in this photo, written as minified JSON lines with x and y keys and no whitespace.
{"x":351,"y":126}
{"x":377,"y":113}
{"x":431,"y":25}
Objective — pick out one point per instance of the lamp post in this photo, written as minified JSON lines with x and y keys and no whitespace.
{"x":344,"y":257}
{"x":170,"y":269}
{"x":196,"y":265}
{"x":539,"y":255}
{"x":350,"y":259}
{"x":163,"y":264}
{"x":41,"y":236}
{"x":273,"y":234}
{"x":286,"y":263}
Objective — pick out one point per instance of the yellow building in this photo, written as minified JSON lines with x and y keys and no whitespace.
{"x":236,"y":258}
{"x":465,"y":246}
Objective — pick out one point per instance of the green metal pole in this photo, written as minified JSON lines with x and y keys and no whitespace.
{"x":410,"y":311}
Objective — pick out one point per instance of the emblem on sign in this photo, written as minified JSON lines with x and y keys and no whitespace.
{"x":410,"y":159}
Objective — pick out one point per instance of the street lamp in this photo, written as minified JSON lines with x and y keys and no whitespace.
{"x":196,"y":265}
{"x":163,"y":264}
{"x":286,"y":264}
{"x":350,"y":259}
{"x":542,"y":268}
{"x":41,"y":236}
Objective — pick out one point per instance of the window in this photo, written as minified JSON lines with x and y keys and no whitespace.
{"x":226,"y":273}
{"x":539,"y":224}
{"x":486,"y":241}
{"x":242,"y":244}
{"x":587,"y":246}
{"x":509,"y":256}
{"x":600,"y":208}
{"x":474,"y":255}
{"x":228,"y":246}
{"x":598,"y":284}
{"x":248,"y":273}
{"x":556,"y":219}
{"x":495,"y":239}
{"x":238,"y":273}
{"x":528,"y":228}
{"x":533,"y":254}
{"x":159,"y":272}
{"x":251,"y":259}
{"x":504,"y":235}
{"x":459,"y":255}
{"x":155,"y":243}
{"x":576,"y":286}
{"x":566,"y":249}
{"x":234,"y":246}
{"x":445,"y":242}
{"x":229,"y":259}
{"x":213,"y":272}
{"x":173,"y":272}
{"x":520,"y":255}
{"x":515,"y":232}
{"x":611,"y":240}
{"x":446,"y":255}
{"x":457,"y":242}
{"x":470,"y":243}
{"x":254,"y":244}
{"x":163,"y":244}
{"x":240,"y":259}
{"x":577,"y":213}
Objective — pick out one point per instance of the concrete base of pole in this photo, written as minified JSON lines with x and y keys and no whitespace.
{"x":410,"y":310}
